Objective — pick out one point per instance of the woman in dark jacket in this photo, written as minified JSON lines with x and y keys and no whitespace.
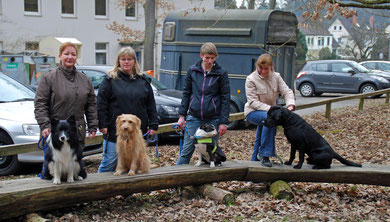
{"x":63,"y":92}
{"x":124,"y":91}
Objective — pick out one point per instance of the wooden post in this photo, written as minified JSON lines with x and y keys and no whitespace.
{"x":361,"y":103}
{"x":328,"y":109}
{"x":281,"y":190}
{"x":215,"y":193}
{"x":387,"y":98}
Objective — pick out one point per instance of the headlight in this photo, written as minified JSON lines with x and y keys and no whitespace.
{"x":171,"y":110}
{"x":31,"y":129}
{"x":381,"y":79}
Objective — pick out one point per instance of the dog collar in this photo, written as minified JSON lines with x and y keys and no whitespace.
{"x":207,"y":140}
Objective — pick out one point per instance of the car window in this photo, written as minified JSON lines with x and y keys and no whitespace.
{"x":95,"y":76}
{"x":12,"y":91}
{"x":322,"y":67}
{"x":369,"y":65}
{"x":359,"y":67}
{"x":384,"y":66}
{"x":341,"y":67}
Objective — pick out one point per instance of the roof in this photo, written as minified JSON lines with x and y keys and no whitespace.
{"x":335,"y":44}
{"x":316,"y":28}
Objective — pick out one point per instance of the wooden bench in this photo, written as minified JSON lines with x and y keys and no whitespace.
{"x":22,"y":196}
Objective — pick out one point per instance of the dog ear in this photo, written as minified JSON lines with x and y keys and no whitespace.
{"x":118,"y":120}
{"x":277,"y":113}
{"x":54,"y":123}
{"x":71,"y":119}
{"x":138,"y":122}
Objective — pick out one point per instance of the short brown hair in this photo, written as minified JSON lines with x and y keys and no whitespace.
{"x":66,"y":44}
{"x":209,"y":48}
{"x":264,"y":59}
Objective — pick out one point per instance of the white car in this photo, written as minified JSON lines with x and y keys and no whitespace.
{"x":377,"y":65}
{"x":18,"y":125}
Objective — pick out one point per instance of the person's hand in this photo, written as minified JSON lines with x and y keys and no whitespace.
{"x":181,"y":122}
{"x":92,"y":135}
{"x":152,"y":132}
{"x":103,"y":130}
{"x":222,"y":129}
{"x":291,"y":107}
{"x":45,"y":132}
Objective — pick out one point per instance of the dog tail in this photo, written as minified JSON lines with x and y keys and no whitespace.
{"x":346,"y":162}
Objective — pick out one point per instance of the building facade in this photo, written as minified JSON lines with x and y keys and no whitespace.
{"x":25,"y":23}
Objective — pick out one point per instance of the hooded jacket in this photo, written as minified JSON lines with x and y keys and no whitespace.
{"x":126,"y":95}
{"x":62,"y":93}
{"x":206,"y":95}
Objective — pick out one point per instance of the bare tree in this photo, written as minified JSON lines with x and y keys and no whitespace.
{"x":150,"y":31}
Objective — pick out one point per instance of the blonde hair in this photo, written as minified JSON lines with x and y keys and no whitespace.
{"x":126,"y":51}
{"x":68,"y":44}
{"x":209,"y":48}
{"x":264,"y":59}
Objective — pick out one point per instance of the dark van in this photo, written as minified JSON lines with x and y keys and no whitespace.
{"x":240,"y":36}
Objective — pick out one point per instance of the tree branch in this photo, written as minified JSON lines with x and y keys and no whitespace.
{"x":363,"y":4}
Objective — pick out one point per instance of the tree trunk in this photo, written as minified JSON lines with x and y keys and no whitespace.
{"x":215,"y":193}
{"x":251,"y":4}
{"x":272,"y":4}
{"x":281,"y":190}
{"x":150,"y":30}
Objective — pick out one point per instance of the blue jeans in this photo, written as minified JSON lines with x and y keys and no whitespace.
{"x":192,"y":124}
{"x":265,"y":137}
{"x":110,"y":158}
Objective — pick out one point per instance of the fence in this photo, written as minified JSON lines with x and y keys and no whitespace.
{"x":29,"y":147}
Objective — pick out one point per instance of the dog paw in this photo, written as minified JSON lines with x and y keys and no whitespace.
{"x":78,"y":178}
{"x":57,"y":181}
{"x":198,"y":164}
{"x":117,"y":173}
{"x":287,"y":163}
{"x":212,"y":165}
{"x":70,"y":180}
{"x":131,"y":173}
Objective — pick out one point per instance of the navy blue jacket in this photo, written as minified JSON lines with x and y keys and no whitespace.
{"x":206,"y":96}
{"x":126,"y":96}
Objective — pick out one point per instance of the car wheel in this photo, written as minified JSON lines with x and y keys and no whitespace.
{"x":8,"y":164}
{"x":306,"y":89}
{"x":233,"y":109}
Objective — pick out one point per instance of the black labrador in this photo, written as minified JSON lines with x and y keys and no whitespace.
{"x":305,"y":139}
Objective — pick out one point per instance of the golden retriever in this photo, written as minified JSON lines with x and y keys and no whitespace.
{"x":130,"y":146}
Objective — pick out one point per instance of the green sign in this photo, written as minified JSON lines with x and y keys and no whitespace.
{"x":12,"y":65}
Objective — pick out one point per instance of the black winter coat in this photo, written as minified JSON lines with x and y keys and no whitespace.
{"x":126,"y":96}
{"x":206,"y":96}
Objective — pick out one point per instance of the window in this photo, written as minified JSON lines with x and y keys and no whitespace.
{"x":32,"y":46}
{"x":32,"y":7}
{"x":328,"y":42}
{"x":68,"y":8}
{"x":322,"y":67}
{"x":334,"y":27}
{"x":339,"y":40}
{"x":101,"y":8}
{"x":383,"y":66}
{"x":340,"y":67}
{"x":369,"y":65}
{"x":130,"y":10}
{"x":101,"y":53}
{"x":320,"y":41}
{"x":340,"y":27}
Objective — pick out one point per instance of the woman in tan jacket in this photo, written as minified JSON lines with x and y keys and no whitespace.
{"x":262,"y":88}
{"x":63,"y":92}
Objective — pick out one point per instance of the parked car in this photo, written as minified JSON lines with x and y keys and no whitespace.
{"x":377,"y":65}
{"x":18,"y":125}
{"x":338,"y":76}
{"x":167,"y":100}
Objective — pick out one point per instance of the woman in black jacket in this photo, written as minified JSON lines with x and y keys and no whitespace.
{"x":124,"y":91}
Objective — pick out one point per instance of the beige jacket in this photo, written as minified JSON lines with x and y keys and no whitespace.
{"x":262,"y":93}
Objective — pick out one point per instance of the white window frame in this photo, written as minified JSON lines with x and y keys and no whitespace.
{"x":135,"y":12}
{"x":66,"y":15}
{"x":102,"y":16}
{"x":38,"y":13}
{"x":102,"y":51}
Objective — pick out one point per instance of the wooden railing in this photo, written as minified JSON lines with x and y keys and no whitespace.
{"x":29,"y":147}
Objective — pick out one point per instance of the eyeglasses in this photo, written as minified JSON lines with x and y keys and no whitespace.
{"x":126,"y":60}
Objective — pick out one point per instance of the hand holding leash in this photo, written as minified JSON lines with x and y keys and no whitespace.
{"x":181,"y":122}
{"x":46,"y":132}
{"x":222,"y":129}
{"x":103,"y":130}
{"x":92,"y":135}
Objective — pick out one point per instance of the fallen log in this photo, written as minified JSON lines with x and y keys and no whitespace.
{"x":215,"y":193}
{"x":281,"y":190}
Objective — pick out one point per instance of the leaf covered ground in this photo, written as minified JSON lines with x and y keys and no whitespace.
{"x":361,"y":136}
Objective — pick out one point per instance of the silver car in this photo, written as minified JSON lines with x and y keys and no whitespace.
{"x":18,"y":125}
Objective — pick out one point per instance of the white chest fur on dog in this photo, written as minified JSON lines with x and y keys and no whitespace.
{"x":64,"y":163}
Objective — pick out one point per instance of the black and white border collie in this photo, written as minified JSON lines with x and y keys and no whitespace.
{"x":63,"y":157}
{"x":208,"y":151}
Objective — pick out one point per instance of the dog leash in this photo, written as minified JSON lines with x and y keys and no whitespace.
{"x":42,"y":145}
{"x":177,"y":127}
{"x":155,"y":139}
